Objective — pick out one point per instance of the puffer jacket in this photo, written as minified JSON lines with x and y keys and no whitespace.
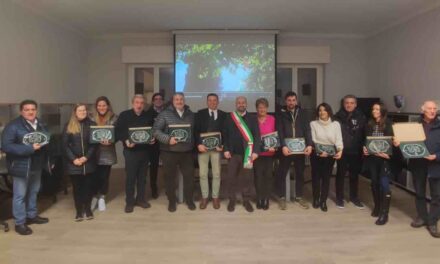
{"x":106,"y":155}
{"x":76,"y":146}
{"x":167,"y":117}
{"x":19,"y":156}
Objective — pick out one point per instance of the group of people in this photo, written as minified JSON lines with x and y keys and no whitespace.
{"x":249,"y":165}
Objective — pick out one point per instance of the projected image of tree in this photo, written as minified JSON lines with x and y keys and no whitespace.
{"x":224,"y":67}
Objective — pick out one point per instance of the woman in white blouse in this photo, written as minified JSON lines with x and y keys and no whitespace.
{"x":325,"y":131}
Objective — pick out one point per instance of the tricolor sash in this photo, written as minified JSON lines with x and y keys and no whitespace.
{"x":247,"y":135}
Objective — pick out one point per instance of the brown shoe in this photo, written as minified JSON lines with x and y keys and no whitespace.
{"x":203,"y":203}
{"x":216,"y":203}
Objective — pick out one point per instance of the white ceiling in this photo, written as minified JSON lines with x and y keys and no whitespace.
{"x":349,"y":17}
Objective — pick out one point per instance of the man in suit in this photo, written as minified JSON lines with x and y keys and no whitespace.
{"x":241,"y":147}
{"x":209,"y":119}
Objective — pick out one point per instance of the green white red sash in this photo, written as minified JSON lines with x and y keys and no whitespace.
{"x":247,"y":135}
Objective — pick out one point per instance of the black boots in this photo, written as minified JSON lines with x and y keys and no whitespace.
{"x":384,"y":209}
{"x":376,"y":199}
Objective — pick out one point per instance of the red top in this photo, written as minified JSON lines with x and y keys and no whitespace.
{"x":266,"y":127}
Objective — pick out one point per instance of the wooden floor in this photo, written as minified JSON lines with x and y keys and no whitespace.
{"x":216,"y":236}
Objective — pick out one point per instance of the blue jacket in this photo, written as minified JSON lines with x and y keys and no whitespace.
{"x":19,"y":156}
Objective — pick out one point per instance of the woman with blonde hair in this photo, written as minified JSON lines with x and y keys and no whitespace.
{"x":105,"y":153}
{"x":81,"y":163}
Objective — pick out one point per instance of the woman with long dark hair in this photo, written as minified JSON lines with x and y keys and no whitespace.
{"x":81,"y":163}
{"x":378,"y":165}
{"x":325,"y":131}
{"x":105,"y":153}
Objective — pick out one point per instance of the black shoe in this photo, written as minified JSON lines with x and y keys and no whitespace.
{"x":37,"y":220}
{"x":79,"y":217}
{"x":432,"y":229}
{"x":129,"y":208}
{"x":323,"y":206}
{"x":191,"y":205}
{"x":143,"y":204}
{"x":315,"y":203}
{"x":357,"y":203}
{"x":248,"y":206}
{"x":231,"y":206}
{"x":385,"y":208}
{"x":418,"y":222}
{"x":340,"y":204}
{"x":172,"y":207}
{"x":154,"y":193}
{"x":260,"y":204}
{"x":265,"y":204}
{"x":23,"y":230}
{"x":89,"y":215}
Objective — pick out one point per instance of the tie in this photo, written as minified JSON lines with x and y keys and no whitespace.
{"x":212,"y":116}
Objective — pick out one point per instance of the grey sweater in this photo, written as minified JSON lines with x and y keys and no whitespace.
{"x":168,"y":117}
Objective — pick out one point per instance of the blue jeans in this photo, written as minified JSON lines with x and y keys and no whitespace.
{"x":24,"y":201}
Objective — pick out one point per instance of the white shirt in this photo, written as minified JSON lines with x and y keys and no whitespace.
{"x":180,"y":112}
{"x":327,"y":132}
{"x":213,"y":111}
{"x":34,"y":124}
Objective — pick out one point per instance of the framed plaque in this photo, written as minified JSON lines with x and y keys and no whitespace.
{"x":329,"y":149}
{"x":295,"y":145}
{"x":37,"y":137}
{"x":211,"y":140}
{"x":140,"y":135}
{"x":102,"y":133}
{"x":412,"y":139}
{"x":376,"y":145}
{"x":181,"y":132}
{"x":270,"y":140}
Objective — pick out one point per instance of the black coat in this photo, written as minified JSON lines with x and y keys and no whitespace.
{"x":202,"y":121}
{"x":284,"y":122}
{"x":76,"y":146}
{"x":234,"y":141}
{"x":432,"y":142}
{"x":353,"y":130}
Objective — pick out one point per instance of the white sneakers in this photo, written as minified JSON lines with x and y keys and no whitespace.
{"x":101,"y":204}
{"x":94,"y":203}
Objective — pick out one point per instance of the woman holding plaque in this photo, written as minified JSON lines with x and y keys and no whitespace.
{"x":263,"y":165}
{"x":81,"y":162}
{"x":105,"y":153}
{"x":326,"y":134}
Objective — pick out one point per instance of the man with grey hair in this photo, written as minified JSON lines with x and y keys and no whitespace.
{"x":428,"y":169}
{"x":241,"y":147}
{"x":176,"y":148}
{"x":136,"y":155}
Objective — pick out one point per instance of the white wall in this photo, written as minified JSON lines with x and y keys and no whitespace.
{"x":39,"y":59}
{"x":406,"y":60}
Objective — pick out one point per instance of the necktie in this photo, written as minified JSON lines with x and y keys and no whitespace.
{"x":212,"y":116}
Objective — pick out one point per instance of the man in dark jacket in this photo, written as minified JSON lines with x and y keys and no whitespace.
{"x":292,"y":122}
{"x":209,"y":119}
{"x":177,"y":151}
{"x":156,"y":107}
{"x":25,"y":161}
{"x":240,"y":130}
{"x":136,"y":155}
{"x":352,"y":122}
{"x":428,"y":168}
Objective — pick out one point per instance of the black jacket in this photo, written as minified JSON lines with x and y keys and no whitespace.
{"x":353,"y":130}
{"x":128,"y":119}
{"x":284,"y":122}
{"x":76,"y":146}
{"x":233,"y":140}
{"x":202,"y":122}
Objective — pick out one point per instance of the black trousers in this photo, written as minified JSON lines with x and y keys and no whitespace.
{"x":82,"y":193}
{"x":185,"y":161}
{"x":263,"y":172}
{"x":321,"y":173}
{"x":239,"y":178}
{"x":154,"y":165}
{"x":299,"y":164}
{"x":101,"y":180}
{"x":353,"y":164}
{"x":379,"y":171}
{"x":420,"y":178}
{"x":135,"y":181}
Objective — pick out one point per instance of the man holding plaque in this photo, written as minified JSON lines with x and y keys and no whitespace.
{"x":208,"y":126}
{"x":293,"y":123}
{"x":136,"y":152}
{"x":428,"y":169}
{"x":241,"y":145}
{"x":25,"y":161}
{"x":173,"y":128}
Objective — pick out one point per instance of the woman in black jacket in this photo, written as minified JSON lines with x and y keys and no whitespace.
{"x":81,"y":163}
{"x":378,"y":165}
